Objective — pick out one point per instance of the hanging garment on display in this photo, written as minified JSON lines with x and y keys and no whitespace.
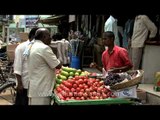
{"x":128,"y":30}
{"x":65,"y":51}
{"x":111,"y":25}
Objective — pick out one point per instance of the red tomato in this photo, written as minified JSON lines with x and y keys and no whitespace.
{"x":92,"y":97}
{"x":64,"y":94}
{"x":94,"y":93}
{"x":87,"y":90}
{"x":95,"y":83}
{"x":75,"y":86}
{"x":60,"y":96}
{"x":71,"y":81}
{"x":85,"y":80}
{"x":68,"y":98}
{"x":73,"y":90}
{"x":105,"y":90}
{"x":63,"y":82}
{"x":81,"y":86}
{"x":80,"y":94}
{"x":95,"y":88}
{"x":98,"y":94}
{"x":77,"y":98}
{"x":72,"y":98}
{"x":104,"y":95}
{"x":82,"y":98}
{"x":66,"y":89}
{"x":85,"y":87}
{"x":82,"y":90}
{"x":76,"y":77}
{"x":85,"y":77}
{"x":61,"y":86}
{"x":82,"y":77}
{"x":58,"y":89}
{"x":100,"y":97}
{"x":91,"y":89}
{"x":99,"y":89}
{"x":67,"y":84}
{"x":77,"y":82}
{"x":89,"y":83}
{"x":85,"y":95}
{"x":70,"y":94}
{"x":96,"y":97}
{"x":98,"y":85}
{"x":90,"y":94}
{"x":80,"y":81}
{"x":97,"y":80}
{"x":75,"y":94}
{"x":78,"y":89}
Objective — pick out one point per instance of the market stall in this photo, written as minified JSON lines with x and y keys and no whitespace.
{"x":77,"y":87}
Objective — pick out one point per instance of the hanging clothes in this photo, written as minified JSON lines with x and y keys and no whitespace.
{"x":128,"y":30}
{"x":111,"y":25}
{"x":65,"y":50}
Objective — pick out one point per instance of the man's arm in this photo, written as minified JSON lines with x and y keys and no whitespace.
{"x":18,"y":68}
{"x":94,"y":65}
{"x":51,"y":58}
{"x":120,"y":69}
{"x":20,"y":84}
{"x":59,"y":66}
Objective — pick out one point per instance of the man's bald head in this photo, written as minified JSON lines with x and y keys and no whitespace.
{"x":40,"y":33}
{"x":43,"y":35}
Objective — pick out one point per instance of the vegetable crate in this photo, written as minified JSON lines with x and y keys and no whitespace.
{"x":108,"y":101}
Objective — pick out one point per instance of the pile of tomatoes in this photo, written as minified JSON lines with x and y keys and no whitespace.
{"x":83,"y":88}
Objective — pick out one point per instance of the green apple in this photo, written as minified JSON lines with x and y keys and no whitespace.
{"x":79,"y":71}
{"x":70,"y":77}
{"x":77,"y":74}
{"x":71,"y":73}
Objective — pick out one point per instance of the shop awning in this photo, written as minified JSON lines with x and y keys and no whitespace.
{"x":53,"y":20}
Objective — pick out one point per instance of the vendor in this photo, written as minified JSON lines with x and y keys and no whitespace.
{"x":114,"y":58}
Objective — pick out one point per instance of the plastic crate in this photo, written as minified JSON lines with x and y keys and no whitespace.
{"x":108,"y":101}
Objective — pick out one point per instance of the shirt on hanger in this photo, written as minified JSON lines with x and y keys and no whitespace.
{"x":111,"y":25}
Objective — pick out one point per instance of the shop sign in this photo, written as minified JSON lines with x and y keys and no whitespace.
{"x":31,"y":22}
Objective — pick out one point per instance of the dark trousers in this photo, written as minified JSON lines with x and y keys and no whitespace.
{"x":22,"y":98}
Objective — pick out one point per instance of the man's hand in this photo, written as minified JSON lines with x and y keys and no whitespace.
{"x":20,"y":88}
{"x":93,"y":65}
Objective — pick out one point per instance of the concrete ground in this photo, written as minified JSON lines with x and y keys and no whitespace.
{"x":6,"y":97}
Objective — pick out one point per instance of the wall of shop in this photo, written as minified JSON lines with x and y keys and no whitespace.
{"x":150,"y":63}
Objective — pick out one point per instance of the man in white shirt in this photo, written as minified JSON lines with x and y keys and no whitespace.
{"x":143,"y":27}
{"x":42,"y":64}
{"x":21,"y":70}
